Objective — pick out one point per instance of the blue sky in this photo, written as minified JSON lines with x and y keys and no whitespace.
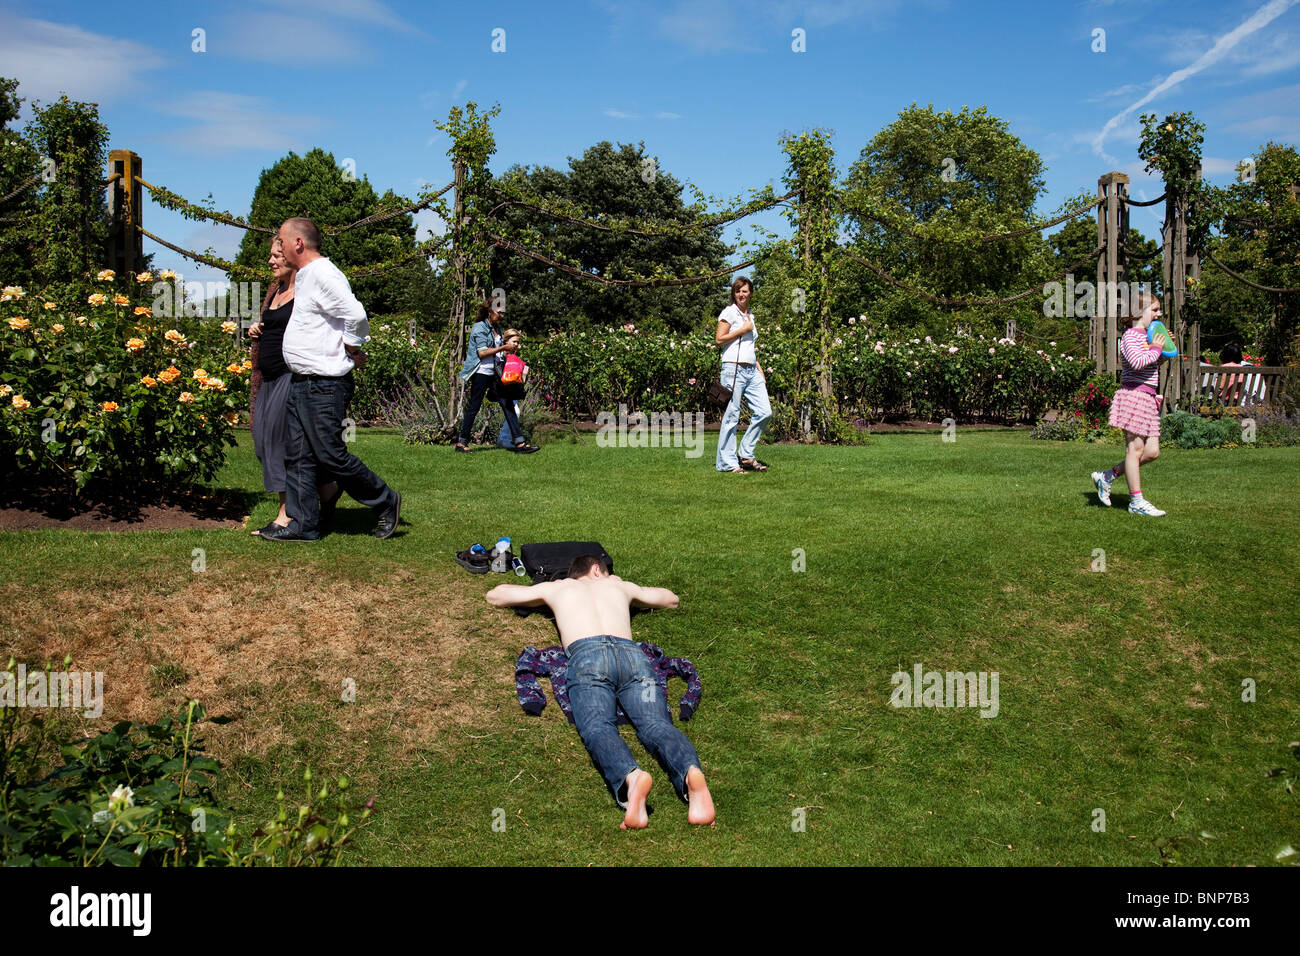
{"x":708,"y":85}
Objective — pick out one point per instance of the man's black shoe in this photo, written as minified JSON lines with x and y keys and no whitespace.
{"x":526,"y":449}
{"x":289,"y":532}
{"x":327,"y":506}
{"x":388,"y":518}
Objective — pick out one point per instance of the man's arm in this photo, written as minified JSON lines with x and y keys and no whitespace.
{"x":650,"y":597}
{"x":336,"y":295}
{"x":519,"y":595}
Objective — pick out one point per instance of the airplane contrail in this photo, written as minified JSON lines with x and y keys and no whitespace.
{"x":1259,"y":19}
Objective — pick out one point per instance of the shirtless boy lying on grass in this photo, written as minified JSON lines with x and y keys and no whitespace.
{"x":591,"y":611}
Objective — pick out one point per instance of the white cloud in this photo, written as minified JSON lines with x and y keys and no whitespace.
{"x":53,"y":58}
{"x":366,"y":11}
{"x":226,"y":121}
{"x":436,"y":99}
{"x":1222,"y":46}
{"x":664,"y":115}
{"x":308,"y":41}
{"x":618,"y":114}
{"x":429,"y":224}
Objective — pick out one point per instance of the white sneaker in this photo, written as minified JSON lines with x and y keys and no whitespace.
{"x":1103,"y":487}
{"x":1144,"y":507}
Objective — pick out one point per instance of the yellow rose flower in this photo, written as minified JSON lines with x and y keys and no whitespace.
{"x":186,"y":398}
{"x":21,"y":403}
{"x":144,"y":277}
{"x":51,"y":305}
{"x":167,"y":275}
{"x":11,"y":292}
{"x":134,"y":345}
{"x":200,"y":374}
{"x":215,"y":384}
{"x":19,"y":323}
{"x":108,"y":406}
{"x":5,"y":390}
{"x":171,"y":335}
{"x":228,"y":327}
{"x":57,"y":328}
{"x":142,"y":310}
{"x":97,"y":299}
{"x":105,"y":275}
{"x":149,"y":381}
{"x":120,"y":299}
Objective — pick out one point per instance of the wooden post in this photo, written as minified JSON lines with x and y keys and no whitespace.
{"x":1110,"y":187}
{"x":126,"y":244}
{"x":458,"y":300}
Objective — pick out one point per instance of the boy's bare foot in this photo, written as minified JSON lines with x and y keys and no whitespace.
{"x":700,"y":801}
{"x":638,"y":788}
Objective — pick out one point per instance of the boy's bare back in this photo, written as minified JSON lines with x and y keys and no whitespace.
{"x":587,"y":607}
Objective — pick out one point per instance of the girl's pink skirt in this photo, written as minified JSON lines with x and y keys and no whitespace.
{"x":1136,"y":411}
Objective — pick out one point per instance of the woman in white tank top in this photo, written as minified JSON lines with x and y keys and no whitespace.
{"x":742,"y":374}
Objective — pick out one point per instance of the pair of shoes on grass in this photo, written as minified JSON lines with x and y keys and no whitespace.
{"x":1135,"y":506}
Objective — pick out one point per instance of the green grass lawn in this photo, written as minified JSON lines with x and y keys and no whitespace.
{"x":1119,"y":691}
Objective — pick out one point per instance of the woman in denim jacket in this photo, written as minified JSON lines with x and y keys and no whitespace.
{"x":480,"y":371}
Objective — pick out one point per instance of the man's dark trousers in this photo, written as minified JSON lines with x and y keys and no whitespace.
{"x":315,"y":451}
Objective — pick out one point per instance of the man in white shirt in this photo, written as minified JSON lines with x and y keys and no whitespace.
{"x":321,"y":347}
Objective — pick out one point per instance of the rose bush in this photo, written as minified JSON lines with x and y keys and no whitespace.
{"x":98,"y":383}
{"x":596,"y":370}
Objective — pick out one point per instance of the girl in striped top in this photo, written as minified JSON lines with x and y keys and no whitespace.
{"x":1136,"y":406}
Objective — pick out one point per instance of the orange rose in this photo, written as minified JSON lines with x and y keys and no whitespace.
{"x":21,"y":403}
{"x":97,"y":299}
{"x":143,"y":310}
{"x":144,"y":277}
{"x":120,"y":299}
{"x":51,"y":305}
{"x":105,"y":275}
{"x":18,"y":323}
{"x":234,"y":369}
{"x":108,"y":406}
{"x":186,"y":398}
{"x":149,"y":381}
{"x":232,"y":418}
{"x":134,"y":345}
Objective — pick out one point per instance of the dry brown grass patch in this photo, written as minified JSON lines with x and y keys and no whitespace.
{"x":274,"y":653}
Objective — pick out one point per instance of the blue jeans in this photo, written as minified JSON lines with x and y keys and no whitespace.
{"x":750,"y":386}
{"x":315,"y":452}
{"x":504,"y":438}
{"x":602,"y":670}
{"x":478,"y":387}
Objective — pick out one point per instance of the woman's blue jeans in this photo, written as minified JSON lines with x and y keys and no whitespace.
{"x":750,"y":387}
{"x":606,"y":669}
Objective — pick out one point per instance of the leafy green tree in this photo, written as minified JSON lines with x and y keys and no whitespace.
{"x":18,"y":164}
{"x":67,"y":238}
{"x":1260,"y":225}
{"x":623,"y":183}
{"x":317,"y":187}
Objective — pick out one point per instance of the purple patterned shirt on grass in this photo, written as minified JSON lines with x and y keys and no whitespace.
{"x":552,"y":663}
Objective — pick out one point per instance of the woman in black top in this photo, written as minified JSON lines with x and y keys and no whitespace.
{"x":271,"y":401}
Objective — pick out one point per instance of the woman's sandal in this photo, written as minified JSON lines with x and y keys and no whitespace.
{"x":752,"y":464}
{"x":461,"y":448}
{"x":272,"y":526}
{"x":735,"y":471}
